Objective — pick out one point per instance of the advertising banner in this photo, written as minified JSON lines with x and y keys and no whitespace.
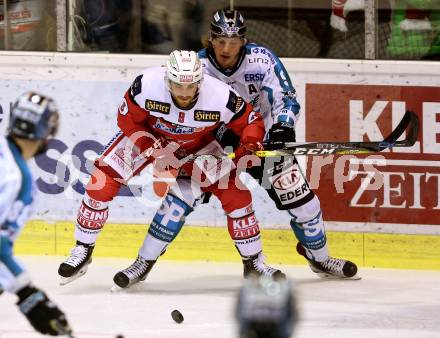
{"x":340,"y":101}
{"x":397,"y":186}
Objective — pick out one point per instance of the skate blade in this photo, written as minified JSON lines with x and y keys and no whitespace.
{"x":324,"y":275}
{"x":130,"y":287}
{"x":67,"y":280}
{"x":116,"y":289}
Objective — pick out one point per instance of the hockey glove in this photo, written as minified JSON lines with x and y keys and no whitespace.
{"x":247,"y":149}
{"x":279,"y":134}
{"x":43,"y":315}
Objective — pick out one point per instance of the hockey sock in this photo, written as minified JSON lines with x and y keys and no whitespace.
{"x":91,"y":218}
{"x":244,"y":229}
{"x":311,"y":235}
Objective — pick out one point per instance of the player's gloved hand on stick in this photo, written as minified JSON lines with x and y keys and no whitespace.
{"x":247,"y":148}
{"x":41,"y":312}
{"x":279,"y":134}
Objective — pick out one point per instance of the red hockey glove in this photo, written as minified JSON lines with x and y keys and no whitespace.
{"x":247,"y":148}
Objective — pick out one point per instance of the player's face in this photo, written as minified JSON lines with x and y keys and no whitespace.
{"x":183,"y":93}
{"x":227,"y":50}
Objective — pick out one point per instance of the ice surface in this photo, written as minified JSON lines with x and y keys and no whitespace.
{"x":385,"y":303}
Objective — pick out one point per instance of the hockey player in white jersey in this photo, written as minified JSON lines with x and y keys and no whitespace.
{"x":167,"y":108}
{"x":257,"y":74}
{"x":33,"y":120}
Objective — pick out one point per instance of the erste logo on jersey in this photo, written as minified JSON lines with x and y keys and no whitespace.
{"x":206,"y":116}
{"x":157,"y":106}
{"x":253,"y":77}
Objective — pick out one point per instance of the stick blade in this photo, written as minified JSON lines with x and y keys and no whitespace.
{"x":410,"y":122}
{"x":413,"y":132}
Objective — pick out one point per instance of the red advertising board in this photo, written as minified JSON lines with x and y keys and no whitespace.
{"x":405,"y":187}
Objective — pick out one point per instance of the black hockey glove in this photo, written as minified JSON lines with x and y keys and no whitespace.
{"x":43,"y":315}
{"x":279,"y":134}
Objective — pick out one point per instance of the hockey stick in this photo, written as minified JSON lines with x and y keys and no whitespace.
{"x":409,"y":121}
{"x":62,"y":329}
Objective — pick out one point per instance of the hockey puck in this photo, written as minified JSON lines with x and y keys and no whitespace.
{"x":177,"y":316}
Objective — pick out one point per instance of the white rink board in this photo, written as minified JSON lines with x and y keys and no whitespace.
{"x":89,"y":88}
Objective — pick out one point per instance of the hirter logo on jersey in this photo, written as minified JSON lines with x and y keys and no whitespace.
{"x":181,"y":117}
{"x":186,"y":78}
{"x":206,"y":116}
{"x":157,"y":106}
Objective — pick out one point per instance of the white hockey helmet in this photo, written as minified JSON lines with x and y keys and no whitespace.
{"x":184,"y":67}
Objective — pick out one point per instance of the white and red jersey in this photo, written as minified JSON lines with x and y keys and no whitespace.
{"x":148,"y":106}
{"x":261,"y":79}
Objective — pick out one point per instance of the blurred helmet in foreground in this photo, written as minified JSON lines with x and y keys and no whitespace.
{"x":266,"y":308}
{"x":33,"y":117}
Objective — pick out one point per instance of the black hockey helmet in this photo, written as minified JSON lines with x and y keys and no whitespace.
{"x":33,"y":117}
{"x":228,"y":23}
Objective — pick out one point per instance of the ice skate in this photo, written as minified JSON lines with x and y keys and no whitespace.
{"x":135,"y":273}
{"x":255,"y":266}
{"x":76,"y":264}
{"x":332,"y":267}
